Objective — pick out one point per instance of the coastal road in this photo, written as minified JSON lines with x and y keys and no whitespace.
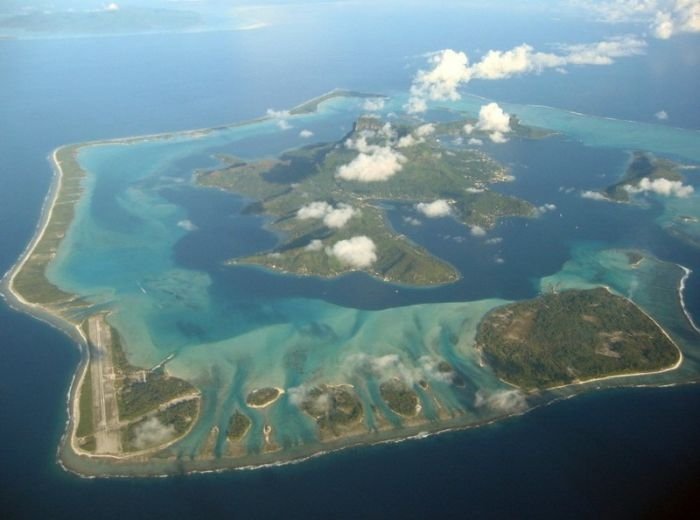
{"x":104,"y":393}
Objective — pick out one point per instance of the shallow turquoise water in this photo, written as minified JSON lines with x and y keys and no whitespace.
{"x":123,"y":249}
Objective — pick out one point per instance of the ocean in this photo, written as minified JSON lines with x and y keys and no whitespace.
{"x":620,"y":452}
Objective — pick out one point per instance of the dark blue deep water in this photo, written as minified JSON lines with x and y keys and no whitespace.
{"x":621,"y":453}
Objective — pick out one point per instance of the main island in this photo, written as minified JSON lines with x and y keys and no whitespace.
{"x":227,"y":364}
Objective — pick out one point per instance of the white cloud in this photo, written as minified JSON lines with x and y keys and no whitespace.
{"x":277,"y":114}
{"x":314,"y":245}
{"x":493,"y":119}
{"x":390,"y":366}
{"x":475,"y":142}
{"x":378,"y":164}
{"x":604,"y":52}
{"x":518,"y":60}
{"x":435,"y":209}
{"x":477,"y":231}
{"x":661,"y":115}
{"x":451,"y":69}
{"x":511,"y":401}
{"x":412,"y":221}
{"x":665,"y":18}
{"x":544,"y":208}
{"x":373,"y":104}
{"x":662,"y":187}
{"x":187,"y":225}
{"x":493,"y":241}
{"x":338,"y":217}
{"x":358,"y":251}
{"x":152,"y":433}
{"x":418,"y":136}
{"x":314,"y":210}
{"x":468,"y":128}
{"x":593,"y":195}
{"x":112,"y":7}
{"x":281,"y":118}
{"x":498,"y":137}
{"x":406,"y":141}
{"x":425,"y":130}
{"x":305,"y":134}
{"x":332,"y":217}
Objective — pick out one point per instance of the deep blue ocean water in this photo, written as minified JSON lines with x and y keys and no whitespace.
{"x":621,"y":452}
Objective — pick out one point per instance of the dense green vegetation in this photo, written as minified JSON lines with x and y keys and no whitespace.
{"x":642,"y":165}
{"x":238,"y":426}
{"x":335,"y":408}
{"x":86,"y":425}
{"x":399,"y":397}
{"x":141,"y":391}
{"x":172,"y":422}
{"x":30,"y":282}
{"x":282,"y":186}
{"x":262,"y":397}
{"x":572,"y":336}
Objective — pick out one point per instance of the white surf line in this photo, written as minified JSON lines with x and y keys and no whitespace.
{"x":681,"y":296}
{"x":676,"y":365}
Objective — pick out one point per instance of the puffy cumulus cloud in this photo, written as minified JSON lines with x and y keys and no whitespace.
{"x":412,"y":221}
{"x":451,"y":69}
{"x":305,"y":134}
{"x":604,"y":52}
{"x":406,"y":141}
{"x":662,"y":187}
{"x":314,"y":245}
{"x":509,"y":401}
{"x":435,"y":209}
{"x":297,"y":395}
{"x":187,"y":225}
{"x":665,"y":18}
{"x":314,"y":210}
{"x":418,"y":136}
{"x":545,"y":208}
{"x":425,"y":130}
{"x":358,"y":251}
{"x":593,"y":195}
{"x":498,"y":137}
{"x":475,"y":142}
{"x":152,"y":433}
{"x":674,"y":17}
{"x":373,"y":104}
{"x":378,"y":163}
{"x":494,"y":120}
{"x":391,"y":366}
{"x":112,"y":7}
{"x":332,"y":217}
{"x":661,"y":115}
{"x":280,"y":117}
{"x":477,"y":231}
{"x":519,"y":60}
{"x":338,"y":217}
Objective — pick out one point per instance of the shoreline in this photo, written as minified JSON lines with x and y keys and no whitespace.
{"x":43,"y":313}
{"x":673,"y":367}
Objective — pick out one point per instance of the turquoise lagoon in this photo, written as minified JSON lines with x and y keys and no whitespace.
{"x":148,"y":245}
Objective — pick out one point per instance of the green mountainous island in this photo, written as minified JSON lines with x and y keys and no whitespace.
{"x":326,"y":202}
